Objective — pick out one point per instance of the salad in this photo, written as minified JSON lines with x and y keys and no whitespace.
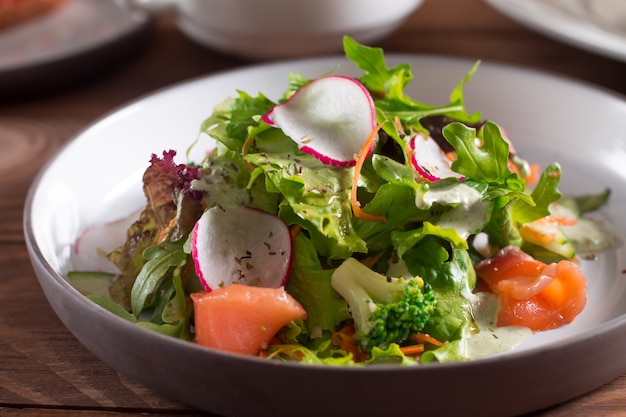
{"x":349,"y":224}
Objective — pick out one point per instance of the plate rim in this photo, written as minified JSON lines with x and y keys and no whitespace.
{"x":532,"y":13}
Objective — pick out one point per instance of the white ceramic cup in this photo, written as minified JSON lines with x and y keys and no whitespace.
{"x":271,"y":29}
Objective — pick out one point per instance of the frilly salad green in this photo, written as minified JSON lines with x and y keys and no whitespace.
{"x":394,"y":231}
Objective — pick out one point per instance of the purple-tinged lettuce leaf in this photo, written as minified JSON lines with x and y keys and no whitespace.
{"x":172,"y":208}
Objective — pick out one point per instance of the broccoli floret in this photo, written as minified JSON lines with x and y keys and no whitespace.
{"x":385,"y":310}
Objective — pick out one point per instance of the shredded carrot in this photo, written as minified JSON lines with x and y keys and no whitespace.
{"x":540,"y":236}
{"x":167,"y":229}
{"x":360,"y":159}
{"x":412,"y":350}
{"x":560,"y":220}
{"x":294,"y":230}
{"x":398,"y":125}
{"x":533,"y":176}
{"x":245,"y":149}
{"x":426,"y":338}
{"x":371,"y":260}
{"x":345,"y":339}
{"x":410,"y":153}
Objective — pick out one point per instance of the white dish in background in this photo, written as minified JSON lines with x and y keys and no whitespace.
{"x":97,"y":178}
{"x":281,"y":29}
{"x":78,"y":37}
{"x":598,"y":26}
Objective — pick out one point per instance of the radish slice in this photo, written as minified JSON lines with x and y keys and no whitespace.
{"x":329,"y":118}
{"x":241,"y":245}
{"x":429,"y":160}
{"x":91,"y":248}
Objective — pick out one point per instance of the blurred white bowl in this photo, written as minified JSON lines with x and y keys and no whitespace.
{"x":273,"y":29}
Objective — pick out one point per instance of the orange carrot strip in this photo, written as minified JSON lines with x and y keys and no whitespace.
{"x":360,"y":159}
{"x":294,"y":230}
{"x":426,"y":338}
{"x":412,"y":349}
{"x":561,"y":220}
{"x":245,"y":149}
{"x":167,"y":229}
{"x":541,"y":237}
{"x":371,"y":260}
{"x":344,"y":339}
{"x":533,"y":176}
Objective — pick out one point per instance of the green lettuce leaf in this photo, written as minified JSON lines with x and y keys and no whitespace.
{"x":442,"y":261}
{"x":317,"y":197}
{"x":309,"y":284}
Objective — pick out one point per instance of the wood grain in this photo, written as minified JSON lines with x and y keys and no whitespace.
{"x":44,"y":370}
{"x":26,"y":145}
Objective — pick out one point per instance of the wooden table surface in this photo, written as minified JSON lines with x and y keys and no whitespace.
{"x":43,"y":369}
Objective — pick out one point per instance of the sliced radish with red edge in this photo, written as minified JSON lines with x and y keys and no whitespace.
{"x":429,"y":160}
{"x":95,"y":243}
{"x":241,"y":245}
{"x":329,"y":118}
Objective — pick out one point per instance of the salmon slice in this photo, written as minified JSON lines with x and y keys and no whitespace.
{"x":531,"y":293}
{"x":241,"y":318}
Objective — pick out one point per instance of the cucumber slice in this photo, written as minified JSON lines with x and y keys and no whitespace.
{"x":588,"y":236}
{"x":91,"y":283}
{"x":548,"y":235}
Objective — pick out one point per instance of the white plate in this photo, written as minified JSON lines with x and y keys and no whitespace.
{"x":96,"y":178}
{"x":78,"y":37}
{"x":576,"y":22}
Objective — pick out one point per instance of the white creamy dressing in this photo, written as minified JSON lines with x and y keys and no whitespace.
{"x":211,"y":184}
{"x":487,"y":339}
{"x":484,"y":338}
{"x":588,"y":235}
{"x":469,"y":213}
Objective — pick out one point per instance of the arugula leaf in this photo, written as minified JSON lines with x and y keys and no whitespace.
{"x":580,"y":205}
{"x":114,"y":307}
{"x":397,"y":203}
{"x":457,"y":98}
{"x":545,"y":193}
{"x":377,"y":78}
{"x":162,"y":260}
{"x":502,"y":229}
{"x":296,"y":81}
{"x":486,"y":161}
{"x":592,"y":202}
